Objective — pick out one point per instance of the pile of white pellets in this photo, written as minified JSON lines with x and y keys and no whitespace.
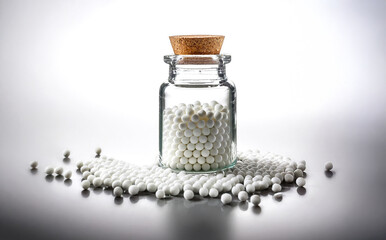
{"x":196,"y":137}
{"x":254,"y":172}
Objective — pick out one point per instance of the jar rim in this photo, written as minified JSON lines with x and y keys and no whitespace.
{"x":197,"y":59}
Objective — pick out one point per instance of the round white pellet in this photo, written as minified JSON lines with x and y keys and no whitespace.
{"x":116,"y":183}
{"x":235,"y":190}
{"x":243,"y":196}
{"x":205,"y":153}
{"x":68,"y":174}
{"x":193,"y":139}
{"x":126,"y":184}
{"x":213,"y":192}
{"x":203,"y":192}
{"x":195,"y":118}
{"x":300,"y":181}
{"x":49,"y":170}
{"x":255,"y":200}
{"x":197,"y":132}
{"x":117,"y":191}
{"x":276,"y":180}
{"x":202,"y":139}
{"x":151,"y":187}
{"x":201,"y":124}
{"x":197,"y":167}
{"x":217,"y":116}
{"x":85,"y":184}
{"x":188,"y":153}
{"x":34,"y":164}
{"x":108,"y":182}
{"x":188,"y":194}
{"x":133,"y":190}
{"x":226,"y":198}
{"x":183,"y":126}
{"x":288,"y":178}
{"x":276,"y":187}
{"x":191,"y":125}
{"x":98,"y":151}
{"x":250,"y":188}
{"x":97,"y":182}
{"x":90,"y":178}
{"x":199,"y":146}
{"x":188,"y":167}
{"x":209,"y":159}
{"x":174,"y":190}
{"x":160,"y":194}
{"x":59,"y":170}
{"x":298,"y":173}
{"x":302,"y":166}
{"x":205,"y":166}
{"x":141,"y":186}
{"x":79,"y":164}
{"x":66,"y":153}
{"x":328,"y":166}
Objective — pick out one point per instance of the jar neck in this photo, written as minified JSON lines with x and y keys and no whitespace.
{"x":197,"y":69}
{"x":199,"y":74}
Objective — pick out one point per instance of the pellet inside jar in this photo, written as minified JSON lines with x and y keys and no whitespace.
{"x":197,"y":137}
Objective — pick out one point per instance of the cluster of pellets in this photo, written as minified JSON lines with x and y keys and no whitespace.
{"x":254,"y":172}
{"x":196,"y":137}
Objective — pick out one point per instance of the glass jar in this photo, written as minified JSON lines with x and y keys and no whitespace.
{"x":197,"y":114}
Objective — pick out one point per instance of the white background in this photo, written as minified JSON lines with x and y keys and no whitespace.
{"x":311,"y":81}
{"x":306,"y":71}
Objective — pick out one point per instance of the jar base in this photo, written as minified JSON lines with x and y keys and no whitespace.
{"x":230,"y":166}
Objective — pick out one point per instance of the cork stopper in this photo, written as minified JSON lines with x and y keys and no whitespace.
{"x":196,"y":44}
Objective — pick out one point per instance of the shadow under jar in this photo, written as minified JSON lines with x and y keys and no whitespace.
{"x":197,"y":118}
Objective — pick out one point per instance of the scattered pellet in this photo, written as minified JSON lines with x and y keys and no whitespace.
{"x":34,"y":164}
{"x":49,"y":170}
{"x":328,"y":166}
{"x":300,"y":182}
{"x":226,"y":198}
{"x":59,"y":170}
{"x":68,"y":174}
{"x":255,"y":200}
{"x":66,"y":153}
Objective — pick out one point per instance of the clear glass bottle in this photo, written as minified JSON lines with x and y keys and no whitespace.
{"x":197,"y":114}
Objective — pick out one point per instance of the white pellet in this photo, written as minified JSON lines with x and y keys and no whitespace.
{"x":276,"y":187}
{"x":98,"y":151}
{"x":68,"y":174}
{"x":160,"y":194}
{"x":49,"y":170}
{"x":188,"y":194}
{"x":328,"y":166}
{"x":288,"y":178}
{"x":226,"y":198}
{"x":34,"y":164}
{"x":203,"y":192}
{"x":117,"y":191}
{"x":243,"y":196}
{"x":151,"y":187}
{"x":66,"y":153}
{"x":300,"y":182}
{"x":133,"y":190}
{"x":79,"y":164}
{"x":126,"y":184}
{"x":97,"y":182}
{"x":255,"y":200}
{"x":213,"y":192}
{"x":250,"y":188}
{"x":59,"y":170}
{"x":85,"y":184}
